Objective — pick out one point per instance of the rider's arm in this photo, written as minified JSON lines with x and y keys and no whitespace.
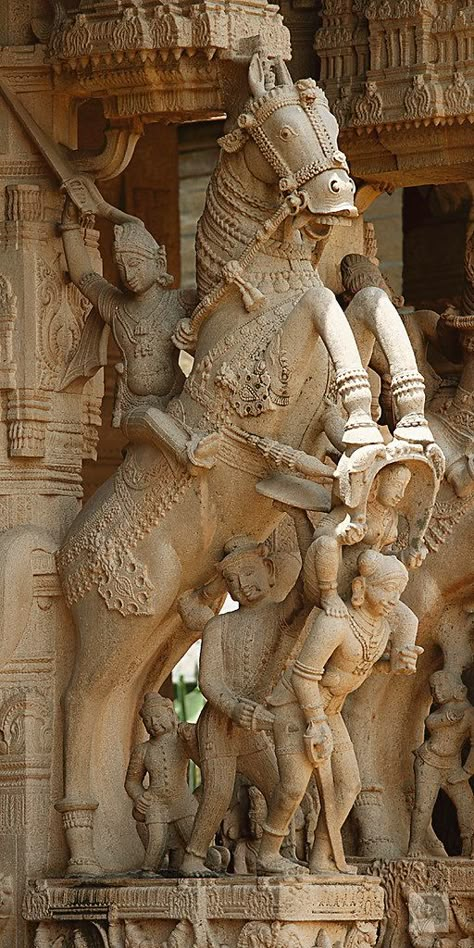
{"x":211,"y":668}
{"x":81,"y":271}
{"x":324,"y":637}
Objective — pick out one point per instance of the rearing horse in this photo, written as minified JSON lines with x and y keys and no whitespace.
{"x":269,"y":342}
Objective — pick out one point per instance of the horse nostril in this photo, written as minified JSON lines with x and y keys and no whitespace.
{"x":352,"y":185}
{"x":334,"y":186}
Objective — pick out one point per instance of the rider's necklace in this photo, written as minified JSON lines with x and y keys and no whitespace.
{"x":367,"y":634}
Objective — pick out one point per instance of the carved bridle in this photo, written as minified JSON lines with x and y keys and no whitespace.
{"x":250,"y":124}
{"x":306,"y":95}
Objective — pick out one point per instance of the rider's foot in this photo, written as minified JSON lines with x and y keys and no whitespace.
{"x":333,"y":605}
{"x":428,"y":846}
{"x":193,"y":866}
{"x":278,"y":866}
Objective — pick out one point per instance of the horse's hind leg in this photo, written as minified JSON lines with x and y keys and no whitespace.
{"x":112,"y":649}
{"x":96,"y":672}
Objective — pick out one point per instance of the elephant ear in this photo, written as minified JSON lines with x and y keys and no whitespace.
{"x":256,"y":76}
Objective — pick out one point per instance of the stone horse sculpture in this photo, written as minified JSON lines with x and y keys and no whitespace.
{"x":269,"y":342}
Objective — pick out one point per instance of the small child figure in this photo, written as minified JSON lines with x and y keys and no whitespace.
{"x":338,"y":541}
{"x":438,"y":766}
{"x":165,"y":809}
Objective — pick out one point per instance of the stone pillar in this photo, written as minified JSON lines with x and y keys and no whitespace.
{"x":45,"y":433}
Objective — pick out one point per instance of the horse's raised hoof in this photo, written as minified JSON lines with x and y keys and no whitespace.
{"x":360,"y":430}
{"x":413,"y":428}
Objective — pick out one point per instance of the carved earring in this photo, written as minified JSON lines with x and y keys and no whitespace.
{"x":358,"y":592}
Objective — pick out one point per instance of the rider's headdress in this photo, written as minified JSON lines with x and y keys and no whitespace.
{"x":377,"y":567}
{"x":134,"y":238}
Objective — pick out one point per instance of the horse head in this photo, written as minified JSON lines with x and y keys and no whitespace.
{"x":289,"y":139}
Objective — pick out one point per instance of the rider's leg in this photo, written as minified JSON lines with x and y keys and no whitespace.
{"x":156,"y":849}
{"x":260,"y":767}
{"x":218,"y":777}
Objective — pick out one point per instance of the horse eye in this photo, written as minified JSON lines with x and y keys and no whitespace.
{"x":287,"y":132}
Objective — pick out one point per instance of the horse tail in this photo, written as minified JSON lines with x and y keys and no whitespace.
{"x":16,"y":582}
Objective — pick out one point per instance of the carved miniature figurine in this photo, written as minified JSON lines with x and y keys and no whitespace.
{"x":243,"y":654}
{"x":338,"y":654}
{"x":438,"y":766}
{"x":165,"y":809}
{"x":338,"y":540}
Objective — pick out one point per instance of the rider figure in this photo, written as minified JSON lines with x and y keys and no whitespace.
{"x":142,"y":316}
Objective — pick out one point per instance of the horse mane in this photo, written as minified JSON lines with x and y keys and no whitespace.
{"x":231,"y":216}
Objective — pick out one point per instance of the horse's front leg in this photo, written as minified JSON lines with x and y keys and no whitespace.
{"x":373,"y":316}
{"x":318,"y":312}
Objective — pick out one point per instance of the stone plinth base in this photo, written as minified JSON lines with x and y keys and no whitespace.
{"x":235,"y":912}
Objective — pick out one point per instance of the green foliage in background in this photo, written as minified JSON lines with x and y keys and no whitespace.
{"x":188,"y":704}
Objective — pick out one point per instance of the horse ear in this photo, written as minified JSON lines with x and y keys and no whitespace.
{"x":233,"y":141}
{"x":282,"y":73}
{"x":256,"y":76}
